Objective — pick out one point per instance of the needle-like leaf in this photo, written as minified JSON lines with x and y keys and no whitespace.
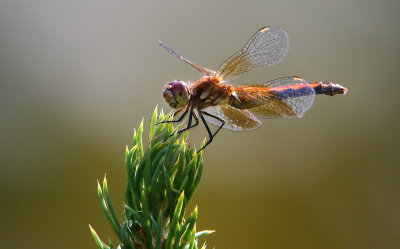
{"x":161,"y":180}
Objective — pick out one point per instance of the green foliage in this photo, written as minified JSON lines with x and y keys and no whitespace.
{"x":160,"y":183}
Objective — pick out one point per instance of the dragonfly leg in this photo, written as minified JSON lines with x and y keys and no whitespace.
{"x":190,"y":126}
{"x":208,"y":128}
{"x":176,"y":113}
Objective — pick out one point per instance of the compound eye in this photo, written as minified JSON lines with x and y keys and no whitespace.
{"x":180,"y":90}
{"x":178,"y":86}
{"x":177,"y":94}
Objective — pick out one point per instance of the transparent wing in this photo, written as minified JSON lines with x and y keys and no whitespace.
{"x":266,"y":48}
{"x":288,"y":97}
{"x":235,"y":119}
{"x":199,"y":68}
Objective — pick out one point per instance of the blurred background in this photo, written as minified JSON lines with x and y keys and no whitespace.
{"x":78,"y":76}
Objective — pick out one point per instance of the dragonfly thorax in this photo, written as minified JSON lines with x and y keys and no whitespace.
{"x":177,"y":94}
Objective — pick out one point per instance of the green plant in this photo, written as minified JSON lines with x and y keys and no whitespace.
{"x":160,"y":182}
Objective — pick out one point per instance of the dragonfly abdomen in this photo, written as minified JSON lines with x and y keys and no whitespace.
{"x":304,"y":89}
{"x":292,"y":91}
{"x":328,"y":88}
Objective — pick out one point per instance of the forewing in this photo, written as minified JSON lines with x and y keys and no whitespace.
{"x":288,"y":97}
{"x":266,"y":48}
{"x":204,"y":70}
{"x":235,"y":119}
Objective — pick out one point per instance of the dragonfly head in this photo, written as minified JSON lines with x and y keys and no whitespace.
{"x":177,"y":94}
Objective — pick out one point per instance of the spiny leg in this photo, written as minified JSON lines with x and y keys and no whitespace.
{"x":208,"y":128}
{"x":218,"y":118}
{"x":189,"y":126}
{"x":176,"y":113}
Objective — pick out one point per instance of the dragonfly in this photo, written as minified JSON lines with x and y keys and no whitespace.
{"x":239,"y":108}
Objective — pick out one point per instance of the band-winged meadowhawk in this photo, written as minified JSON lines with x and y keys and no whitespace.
{"x":238,"y":108}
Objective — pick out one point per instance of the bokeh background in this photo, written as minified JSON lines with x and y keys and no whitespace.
{"x":78,"y":76}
